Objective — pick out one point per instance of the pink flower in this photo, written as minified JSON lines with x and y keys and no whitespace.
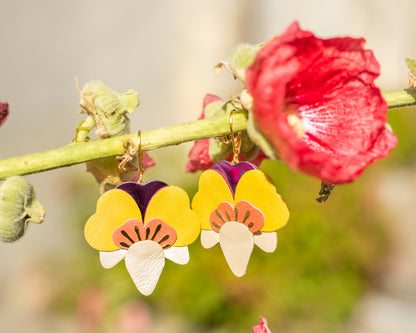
{"x":200,"y":156}
{"x":262,"y":326}
{"x":4,"y":112}
{"x":315,"y":102}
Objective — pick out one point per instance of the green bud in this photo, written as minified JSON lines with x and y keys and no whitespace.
{"x":17,"y":207}
{"x":108,"y":108}
{"x":241,"y":57}
{"x":412,"y":65}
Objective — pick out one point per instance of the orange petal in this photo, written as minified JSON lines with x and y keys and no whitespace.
{"x":224,"y":213}
{"x":249,"y":215}
{"x":127,"y":234}
{"x":158,"y":231}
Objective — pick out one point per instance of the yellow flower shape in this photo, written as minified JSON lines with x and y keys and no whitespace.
{"x":238,"y":206}
{"x":143,"y":224}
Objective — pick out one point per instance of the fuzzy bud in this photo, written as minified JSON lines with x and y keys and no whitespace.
{"x":241,"y":57}
{"x":17,"y":207}
{"x":108,"y":108}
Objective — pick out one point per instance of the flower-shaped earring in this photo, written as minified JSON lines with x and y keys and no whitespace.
{"x":238,"y":206}
{"x":143,"y":224}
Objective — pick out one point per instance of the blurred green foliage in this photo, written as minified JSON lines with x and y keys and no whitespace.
{"x":403,"y":121}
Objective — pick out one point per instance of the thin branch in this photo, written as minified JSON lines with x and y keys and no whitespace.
{"x":83,"y":152}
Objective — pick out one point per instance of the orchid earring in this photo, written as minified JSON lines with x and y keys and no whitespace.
{"x":143,"y":223}
{"x":238,"y":206}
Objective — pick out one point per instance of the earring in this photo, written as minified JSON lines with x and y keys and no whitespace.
{"x":143,"y":223}
{"x":238,"y":206}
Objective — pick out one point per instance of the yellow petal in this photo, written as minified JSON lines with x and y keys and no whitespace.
{"x":212,"y":191}
{"x":171,"y":204}
{"x":256,"y":187}
{"x":113,"y":209}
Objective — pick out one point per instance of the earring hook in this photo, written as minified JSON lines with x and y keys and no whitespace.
{"x":235,"y":140}
{"x":140,"y":169}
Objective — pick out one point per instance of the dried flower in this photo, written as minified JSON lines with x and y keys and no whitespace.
{"x":4,"y":112}
{"x":315,"y":102}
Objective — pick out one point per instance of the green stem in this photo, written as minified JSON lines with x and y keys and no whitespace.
{"x":83,"y":152}
{"x":86,"y":151}
{"x":401,"y":98}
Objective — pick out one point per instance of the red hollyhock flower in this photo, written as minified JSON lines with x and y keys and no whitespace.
{"x":200,"y":157}
{"x":315,"y":101}
{"x":4,"y":112}
{"x":262,"y":326}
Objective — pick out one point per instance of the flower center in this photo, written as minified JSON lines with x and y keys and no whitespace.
{"x":133,"y":231}
{"x":243,"y":212}
{"x":296,"y":124}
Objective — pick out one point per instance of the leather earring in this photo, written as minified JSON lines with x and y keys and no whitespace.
{"x":143,"y":223}
{"x":238,"y":206}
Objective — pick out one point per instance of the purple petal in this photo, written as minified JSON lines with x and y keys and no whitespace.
{"x":142,"y":193}
{"x":232,"y":173}
{"x":4,"y":112}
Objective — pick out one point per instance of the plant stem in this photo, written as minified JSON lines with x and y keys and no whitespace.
{"x":83,"y":152}
{"x":401,"y":98}
{"x":86,"y":151}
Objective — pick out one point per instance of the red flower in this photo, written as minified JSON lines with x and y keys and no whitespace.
{"x":314,"y":100}
{"x":262,"y":326}
{"x":200,"y":157}
{"x":4,"y":112}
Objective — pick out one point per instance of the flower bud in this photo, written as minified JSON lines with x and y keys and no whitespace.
{"x":17,"y":207}
{"x":241,"y":57}
{"x":108,"y":108}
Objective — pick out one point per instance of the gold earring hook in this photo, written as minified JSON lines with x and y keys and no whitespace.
{"x":140,"y":169}
{"x":235,"y":140}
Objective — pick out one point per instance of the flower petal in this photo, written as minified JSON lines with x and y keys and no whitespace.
{"x":112,"y":258}
{"x":250,"y":216}
{"x":113,"y":209}
{"x":179,"y":255}
{"x":212,"y":191}
{"x":144,"y":262}
{"x":142,"y":193}
{"x":171,"y":204}
{"x":237,"y":245}
{"x":232,"y":172}
{"x":4,"y":112}
{"x":267,"y":241}
{"x":199,"y":158}
{"x":223,"y":214}
{"x":160,"y":232}
{"x":262,"y":326}
{"x":209,"y":238}
{"x":257,"y":188}
{"x":315,"y":102}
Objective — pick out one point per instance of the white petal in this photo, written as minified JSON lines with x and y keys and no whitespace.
{"x":237,"y":244}
{"x":112,"y":258}
{"x":179,"y":255}
{"x":145,"y":261}
{"x":267,"y":241}
{"x":209,"y":238}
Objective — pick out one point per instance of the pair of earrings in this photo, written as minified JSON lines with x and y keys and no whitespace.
{"x":144,"y":223}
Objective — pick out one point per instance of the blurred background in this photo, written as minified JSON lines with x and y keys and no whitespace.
{"x":348,"y":265}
